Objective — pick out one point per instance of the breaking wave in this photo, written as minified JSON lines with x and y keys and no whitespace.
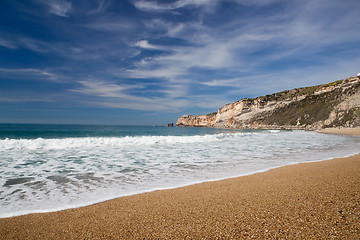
{"x":42,"y":174}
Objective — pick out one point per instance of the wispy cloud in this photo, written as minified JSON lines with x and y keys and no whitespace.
{"x":170,"y":29}
{"x":231,"y":82}
{"x":155,"y":6}
{"x":105,"y":89}
{"x":29,"y":73}
{"x":146,"y":45}
{"x":7,"y":44}
{"x":22,"y":97}
{"x":15,"y":42}
{"x":60,"y":8}
{"x":262,"y":83}
{"x":257,"y":2}
{"x":235,"y":44}
{"x":68,"y":50}
{"x":34,"y":44}
{"x":180,"y":61}
{"x":114,"y":95}
{"x":102,"y":5}
{"x":151,"y":6}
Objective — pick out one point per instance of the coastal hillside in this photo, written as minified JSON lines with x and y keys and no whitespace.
{"x":336,"y":104}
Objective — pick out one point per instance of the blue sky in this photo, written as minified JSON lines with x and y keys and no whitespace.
{"x":148,"y":62}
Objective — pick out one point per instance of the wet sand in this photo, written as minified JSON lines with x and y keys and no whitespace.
{"x":319,"y":200}
{"x":343,"y":131}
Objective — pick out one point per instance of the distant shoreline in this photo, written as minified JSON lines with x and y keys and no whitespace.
{"x":341,"y":131}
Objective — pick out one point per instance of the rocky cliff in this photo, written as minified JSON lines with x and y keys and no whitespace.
{"x":336,"y":104}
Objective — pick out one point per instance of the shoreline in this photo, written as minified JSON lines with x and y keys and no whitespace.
{"x":104,"y":200}
{"x":341,"y":131}
{"x":101,"y":201}
{"x":207,"y":209}
{"x":110,"y":195}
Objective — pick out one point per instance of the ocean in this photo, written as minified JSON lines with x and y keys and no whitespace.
{"x":53,"y":167}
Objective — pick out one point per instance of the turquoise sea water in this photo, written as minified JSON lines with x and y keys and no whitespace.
{"x":31,"y":131}
{"x":53,"y":167}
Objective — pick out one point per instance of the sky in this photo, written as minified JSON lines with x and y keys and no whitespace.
{"x":147,"y":62}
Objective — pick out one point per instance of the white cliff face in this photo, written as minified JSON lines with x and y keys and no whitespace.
{"x":340,"y":99}
{"x":196,"y":121}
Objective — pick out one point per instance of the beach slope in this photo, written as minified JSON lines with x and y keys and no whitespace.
{"x":342,"y":131}
{"x":319,"y":200}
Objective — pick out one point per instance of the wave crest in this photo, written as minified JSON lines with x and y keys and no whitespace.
{"x":93,"y":142}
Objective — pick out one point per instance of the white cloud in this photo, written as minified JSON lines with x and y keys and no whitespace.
{"x":114,"y":95}
{"x":39,"y":46}
{"x":257,"y":2}
{"x":153,"y":6}
{"x":231,"y":82}
{"x":105,"y":89}
{"x":102,"y":5}
{"x":174,"y":31}
{"x":262,"y":83}
{"x":243,"y":51}
{"x":7,"y":44}
{"x":146,"y":45}
{"x":83,"y":51}
{"x":294,"y":34}
{"x":170,"y":97}
{"x":16,"y":42}
{"x":168,"y":72}
{"x":182,"y":60}
{"x":34,"y":44}
{"x":241,"y":48}
{"x":59,"y":7}
{"x":179,"y":30}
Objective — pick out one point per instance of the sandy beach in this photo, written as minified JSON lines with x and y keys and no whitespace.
{"x":319,"y":200}
{"x":343,"y":131}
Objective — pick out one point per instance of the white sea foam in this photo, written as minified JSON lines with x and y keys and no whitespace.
{"x":90,"y":142}
{"x":50,"y":174}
